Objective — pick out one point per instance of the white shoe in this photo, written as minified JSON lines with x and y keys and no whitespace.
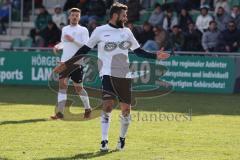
{"x":104,"y":146}
{"x":120,"y":144}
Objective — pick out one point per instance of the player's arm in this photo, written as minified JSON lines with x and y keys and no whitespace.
{"x":78,"y":55}
{"x":160,"y":55}
{"x":57,"y":47}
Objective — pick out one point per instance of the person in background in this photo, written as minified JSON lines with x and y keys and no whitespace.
{"x":176,"y":39}
{"x":51,"y":34}
{"x":157,"y":16}
{"x":230,"y":38}
{"x":203,"y":20}
{"x":41,"y":23}
{"x":134,"y":9}
{"x":184,"y":19}
{"x":235,"y":15}
{"x":95,"y":10}
{"x":146,"y":33}
{"x":210,"y":38}
{"x":4,"y":14}
{"x":223,"y":4}
{"x":170,"y":20}
{"x":222,"y":18}
{"x":160,"y":40}
{"x":58,"y":16}
{"x":192,"y":38}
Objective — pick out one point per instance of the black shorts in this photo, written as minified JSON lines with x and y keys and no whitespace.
{"x":114,"y":87}
{"x":75,"y":72}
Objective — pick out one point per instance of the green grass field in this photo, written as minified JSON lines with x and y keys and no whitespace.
{"x":209,"y":128}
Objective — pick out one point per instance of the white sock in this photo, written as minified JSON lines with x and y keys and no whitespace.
{"x":62,"y":98}
{"x":125,"y":121}
{"x":85,"y":99}
{"x":105,"y":123}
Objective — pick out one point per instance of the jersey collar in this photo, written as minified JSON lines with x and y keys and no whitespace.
{"x":114,"y":26}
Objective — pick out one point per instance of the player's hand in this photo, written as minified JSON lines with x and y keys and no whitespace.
{"x":55,"y":50}
{"x":69,"y":38}
{"x":61,"y":67}
{"x":161,"y":55}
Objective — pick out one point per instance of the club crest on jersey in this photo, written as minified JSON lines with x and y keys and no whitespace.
{"x":124,"y":45}
{"x":110,"y":46}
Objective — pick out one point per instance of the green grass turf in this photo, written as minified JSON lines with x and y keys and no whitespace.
{"x":211,"y":133}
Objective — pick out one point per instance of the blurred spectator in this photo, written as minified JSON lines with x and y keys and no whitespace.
{"x":176,"y":39}
{"x":223,"y":4}
{"x":51,"y":34}
{"x":71,"y":4}
{"x":148,"y":3}
{"x":41,"y":23}
{"x":42,"y":18}
{"x":59,"y":17}
{"x":157,"y":16}
{"x":95,"y":10}
{"x":16,"y":4}
{"x":235,"y":14}
{"x":230,"y":38}
{"x":210,"y":38}
{"x":4,"y":14}
{"x":146,"y":33}
{"x":91,"y":26}
{"x":222,"y":18}
{"x":203,"y":20}
{"x":184,"y":19}
{"x":170,"y":20}
{"x":134,"y":29}
{"x":160,"y":40}
{"x":193,"y":38}
{"x":134,"y":9}
{"x":210,"y":3}
{"x":38,"y":3}
{"x":62,"y":25}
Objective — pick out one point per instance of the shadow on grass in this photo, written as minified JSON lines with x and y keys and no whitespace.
{"x":200,"y":104}
{"x":22,"y":122}
{"x":1,"y":158}
{"x":89,"y":155}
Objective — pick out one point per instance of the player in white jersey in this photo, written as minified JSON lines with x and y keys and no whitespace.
{"x":114,"y":40}
{"x":73,"y":37}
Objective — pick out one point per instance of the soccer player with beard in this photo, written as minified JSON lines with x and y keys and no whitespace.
{"x":114,"y":40}
{"x":73,"y":37}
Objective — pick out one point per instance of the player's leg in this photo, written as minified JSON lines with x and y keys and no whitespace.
{"x":61,"y":99}
{"x":84,"y":97}
{"x":122,"y":87}
{"x":108,"y":97}
{"x":125,"y":120}
{"x":105,"y":123}
{"x":77,"y":78}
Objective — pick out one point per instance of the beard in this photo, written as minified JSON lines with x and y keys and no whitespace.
{"x":119,"y":23}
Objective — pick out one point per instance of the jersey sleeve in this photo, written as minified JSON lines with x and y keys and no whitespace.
{"x":83,"y":37}
{"x":133,"y":40}
{"x":62,"y":34}
{"x":94,"y":39}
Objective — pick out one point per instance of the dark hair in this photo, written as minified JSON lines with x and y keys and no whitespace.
{"x":212,"y":21}
{"x":231,"y":21}
{"x":74,"y":10}
{"x":117,"y":8}
{"x":157,"y":5}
